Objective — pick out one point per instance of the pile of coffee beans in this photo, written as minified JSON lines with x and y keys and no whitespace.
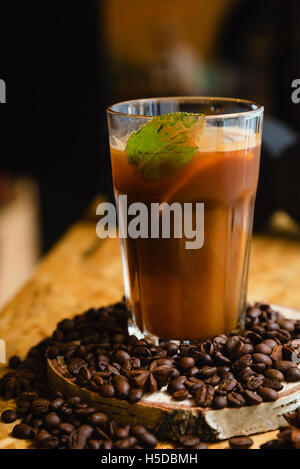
{"x":57,"y":422}
{"x":54,"y":421}
{"x":288,"y":437}
{"x":225,"y":371}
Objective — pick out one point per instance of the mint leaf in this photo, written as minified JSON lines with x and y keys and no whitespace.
{"x":165,"y":144}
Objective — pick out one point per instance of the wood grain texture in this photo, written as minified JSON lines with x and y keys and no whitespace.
{"x":83,"y":271}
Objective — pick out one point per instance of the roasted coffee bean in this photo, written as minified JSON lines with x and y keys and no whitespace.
{"x":241,"y":442}
{"x":292,"y":374}
{"x":235,"y":399}
{"x":283,"y":365}
{"x":8,"y":416}
{"x":135,"y":395}
{"x":263,"y":348}
{"x":172,"y":348}
{"x":227,"y":385}
{"x":188,"y":441}
{"x":121,"y":356}
{"x":221,"y":370}
{"x":121,"y":433}
{"x":56,"y":403}
{"x":85,"y":411}
{"x":268,"y":394}
{"x":287,"y":324}
{"x":137,"y":430}
{"x":176,"y":384}
{"x":40,"y":437}
{"x":22,"y":431}
{"x":243,"y":362}
{"x":122,"y":388}
{"x":245,"y":374}
{"x":262,"y":358}
{"x":274,"y":374}
{"x":273,"y":384}
{"x":180,"y":395}
{"x":107,"y":390}
{"x":207,"y":371}
{"x":78,"y":438}
{"x":252,"y":398}
{"x":254,"y":382}
{"x":219,"y":402}
{"x":147,"y":439}
{"x":253,"y":313}
{"x":272,"y":444}
{"x":66,"y":428}
{"x":204,"y":396}
{"x":52,"y":420}
{"x":186,"y":363}
{"x":270,"y":343}
{"x":200,"y":445}
{"x":40,"y":407}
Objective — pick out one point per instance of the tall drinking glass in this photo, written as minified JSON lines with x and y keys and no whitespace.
{"x":202,"y":152}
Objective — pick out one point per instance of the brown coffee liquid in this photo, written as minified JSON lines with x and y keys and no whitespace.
{"x":179,"y":293}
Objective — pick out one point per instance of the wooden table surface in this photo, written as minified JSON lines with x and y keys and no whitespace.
{"x":83,"y":271}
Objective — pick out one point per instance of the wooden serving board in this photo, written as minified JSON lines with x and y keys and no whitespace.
{"x":83,"y":271}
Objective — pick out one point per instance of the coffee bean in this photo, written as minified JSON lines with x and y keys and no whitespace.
{"x":107,"y":390}
{"x":176,"y":384}
{"x":204,"y":396}
{"x":252,"y":398}
{"x":200,"y":445}
{"x":186,"y":363}
{"x":219,"y":402}
{"x":227,"y":385}
{"x":121,"y":433}
{"x":273,"y":384}
{"x":52,"y":420}
{"x":147,"y":439}
{"x":95,"y":444}
{"x":66,"y":428}
{"x":56,"y":403}
{"x":8,"y":416}
{"x":274,"y":374}
{"x":121,"y":356}
{"x":292,"y":374}
{"x":189,"y":440}
{"x":40,"y":407}
{"x":268,"y":394}
{"x":207,"y":371}
{"x":137,"y":430}
{"x":172,"y":348}
{"x":283,"y":365}
{"x":243,"y":362}
{"x":270,"y":343}
{"x":235,"y":399}
{"x":180,"y":395}
{"x":22,"y":431}
{"x":79,"y":437}
{"x":135,"y":395}
{"x":263,"y":348}
{"x":241,"y":442}
{"x":262,"y":358}
{"x":85,"y":411}
{"x":98,"y":419}
{"x":286,"y":324}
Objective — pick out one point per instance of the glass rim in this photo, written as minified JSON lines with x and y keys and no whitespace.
{"x":248,"y":113}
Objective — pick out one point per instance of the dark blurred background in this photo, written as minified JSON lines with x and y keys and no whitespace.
{"x":64,"y":61}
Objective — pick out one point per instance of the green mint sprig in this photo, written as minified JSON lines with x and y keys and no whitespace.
{"x":165,"y":144}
